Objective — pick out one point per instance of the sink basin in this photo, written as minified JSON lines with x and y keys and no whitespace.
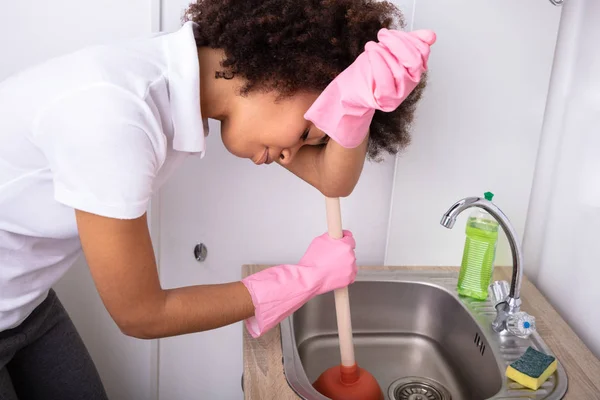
{"x":416,"y":336}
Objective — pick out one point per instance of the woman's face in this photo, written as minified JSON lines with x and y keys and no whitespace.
{"x":266,"y":129}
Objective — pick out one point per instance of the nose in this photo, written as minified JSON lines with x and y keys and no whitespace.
{"x":288,"y":154}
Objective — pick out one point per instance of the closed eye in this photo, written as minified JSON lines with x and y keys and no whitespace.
{"x":305,"y":134}
{"x":323,"y":140}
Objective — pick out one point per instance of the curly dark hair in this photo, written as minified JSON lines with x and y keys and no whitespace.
{"x":301,"y":45}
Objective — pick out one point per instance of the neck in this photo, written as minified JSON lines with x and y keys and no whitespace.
{"x":216,"y":95}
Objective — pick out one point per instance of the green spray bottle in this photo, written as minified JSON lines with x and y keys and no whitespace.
{"x":479,"y":254}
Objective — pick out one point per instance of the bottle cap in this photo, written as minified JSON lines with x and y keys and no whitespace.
{"x":488,"y":196}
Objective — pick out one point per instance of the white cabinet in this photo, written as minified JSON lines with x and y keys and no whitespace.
{"x":478,"y":126}
{"x":561,"y":238}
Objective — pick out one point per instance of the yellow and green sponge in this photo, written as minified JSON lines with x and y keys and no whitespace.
{"x":532,"y":369}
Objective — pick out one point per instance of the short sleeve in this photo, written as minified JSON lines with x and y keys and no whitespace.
{"x":104,"y":151}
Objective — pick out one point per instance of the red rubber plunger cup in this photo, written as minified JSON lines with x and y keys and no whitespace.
{"x":346,"y":381}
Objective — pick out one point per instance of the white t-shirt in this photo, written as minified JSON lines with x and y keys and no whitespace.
{"x":97,"y":130}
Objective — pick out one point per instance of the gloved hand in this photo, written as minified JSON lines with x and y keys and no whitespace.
{"x":277,"y":292}
{"x":380,"y":78}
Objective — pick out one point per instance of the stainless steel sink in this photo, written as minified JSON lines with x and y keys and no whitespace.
{"x":417,"y":337}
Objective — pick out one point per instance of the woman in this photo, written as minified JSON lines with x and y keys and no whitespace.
{"x":88,"y":137}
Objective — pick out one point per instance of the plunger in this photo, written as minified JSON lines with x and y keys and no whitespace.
{"x":346,"y":381}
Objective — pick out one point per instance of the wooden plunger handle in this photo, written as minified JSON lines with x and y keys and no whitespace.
{"x":342,"y":300}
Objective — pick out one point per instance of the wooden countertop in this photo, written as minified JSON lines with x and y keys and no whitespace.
{"x":263,"y":367}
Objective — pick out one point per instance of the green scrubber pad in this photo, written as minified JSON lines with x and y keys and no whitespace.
{"x":532,"y":369}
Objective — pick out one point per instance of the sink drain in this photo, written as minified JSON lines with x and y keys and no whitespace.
{"x":418,"y":388}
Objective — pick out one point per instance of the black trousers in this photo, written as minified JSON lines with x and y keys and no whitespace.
{"x":44,"y":358}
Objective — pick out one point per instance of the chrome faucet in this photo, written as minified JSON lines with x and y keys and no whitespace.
{"x":511,"y":304}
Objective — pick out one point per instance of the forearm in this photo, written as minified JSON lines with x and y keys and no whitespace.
{"x":341,"y":168}
{"x":195,"y":309}
{"x":121,"y":260}
{"x":332,"y":169}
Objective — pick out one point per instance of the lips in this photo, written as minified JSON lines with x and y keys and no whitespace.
{"x":264,"y":158}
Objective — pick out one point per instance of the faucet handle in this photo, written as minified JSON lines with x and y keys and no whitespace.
{"x":502,"y":313}
{"x":510,"y":317}
{"x":521,"y":324}
{"x":498,"y":291}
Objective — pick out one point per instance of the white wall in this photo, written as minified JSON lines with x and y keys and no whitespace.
{"x":478,"y":126}
{"x":493,"y":120}
{"x":30,"y":32}
{"x":563,"y":226}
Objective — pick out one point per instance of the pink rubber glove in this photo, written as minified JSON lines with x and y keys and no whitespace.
{"x":379,"y":79}
{"x":277,"y":292}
